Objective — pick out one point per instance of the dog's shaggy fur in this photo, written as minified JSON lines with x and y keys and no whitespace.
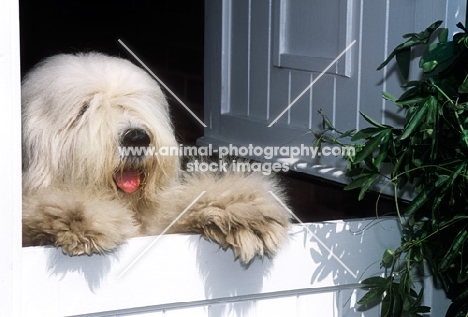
{"x":77,"y":109}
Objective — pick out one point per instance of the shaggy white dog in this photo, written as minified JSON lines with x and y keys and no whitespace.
{"x":81,"y":195}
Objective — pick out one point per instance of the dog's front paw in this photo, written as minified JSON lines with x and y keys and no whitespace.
{"x":237,"y":211}
{"x":250,"y":228}
{"x":76,"y":235}
{"x":78,"y":227}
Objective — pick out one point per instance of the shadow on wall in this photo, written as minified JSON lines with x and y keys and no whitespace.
{"x":225,"y":278}
{"x":94,"y":269}
{"x":317,"y":270}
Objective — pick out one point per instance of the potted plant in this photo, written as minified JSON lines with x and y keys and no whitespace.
{"x":430,"y":153}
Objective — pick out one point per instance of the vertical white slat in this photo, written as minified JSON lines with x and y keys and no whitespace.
{"x":290,"y":97}
{"x":384,"y":102}
{"x":311,"y":104}
{"x":359,"y":15}
{"x":278,"y":77}
{"x":269,"y":58}
{"x":299,"y":112}
{"x":345,"y":91}
{"x":439,"y":10}
{"x":216,"y":66}
{"x":346,"y":101}
{"x":260,"y":56}
{"x":399,"y":17}
{"x":279,"y":94}
{"x":372,"y":41}
{"x":221,"y":54}
{"x":323,"y":97}
{"x":455,"y":12}
{"x":350,"y":33}
{"x":239,"y":54}
{"x":10,"y":161}
{"x":402,"y":16}
{"x":249,"y":51}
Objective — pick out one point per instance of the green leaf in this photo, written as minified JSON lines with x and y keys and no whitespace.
{"x":443,"y":35}
{"x":397,"y":305}
{"x":411,"y":93}
{"x":403,"y":58}
{"x":372,"y":121}
{"x":374,"y":294}
{"x":462,"y":296}
{"x":419,"y":296}
{"x":461,"y":26}
{"x":386,"y":308}
{"x":388,"y":96}
{"x":412,"y":96}
{"x":384,"y":146}
{"x":317,"y":142}
{"x":454,"y":250}
{"x":423,"y":309}
{"x":401,"y":159}
{"x":366,"y":186}
{"x":387,"y":258}
{"x":363,"y":183}
{"x":326,"y":123}
{"x":365,"y":133}
{"x":429,"y":66}
{"x":438,"y":55}
{"x":416,"y":118}
{"x":420,"y":200}
{"x":416,"y":295}
{"x":414,"y":39}
{"x":359,"y":182}
{"x":463,"y":274}
{"x":412,"y":83}
{"x":375,"y":280}
{"x":463,"y":88}
{"x":369,"y":148}
{"x":438,"y":52}
{"x":346,"y":134}
{"x":358,"y":171}
{"x":405,"y":285}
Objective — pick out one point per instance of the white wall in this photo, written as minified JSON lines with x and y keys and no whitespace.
{"x":183,"y":275}
{"x":10,"y":161}
{"x":260,"y":55}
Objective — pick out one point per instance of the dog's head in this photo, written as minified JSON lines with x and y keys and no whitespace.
{"x":94,"y":120}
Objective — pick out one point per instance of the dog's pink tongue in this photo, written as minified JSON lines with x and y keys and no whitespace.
{"x":128,"y":181}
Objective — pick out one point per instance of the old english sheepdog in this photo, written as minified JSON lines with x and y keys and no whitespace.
{"x":82,"y":195}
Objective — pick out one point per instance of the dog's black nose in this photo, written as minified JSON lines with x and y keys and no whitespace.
{"x":135,"y":137}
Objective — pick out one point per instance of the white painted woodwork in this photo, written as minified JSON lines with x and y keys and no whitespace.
{"x":10,"y":161}
{"x":260,"y":55}
{"x":184,"y":275}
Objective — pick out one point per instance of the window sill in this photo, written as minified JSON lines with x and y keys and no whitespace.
{"x":182,"y":274}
